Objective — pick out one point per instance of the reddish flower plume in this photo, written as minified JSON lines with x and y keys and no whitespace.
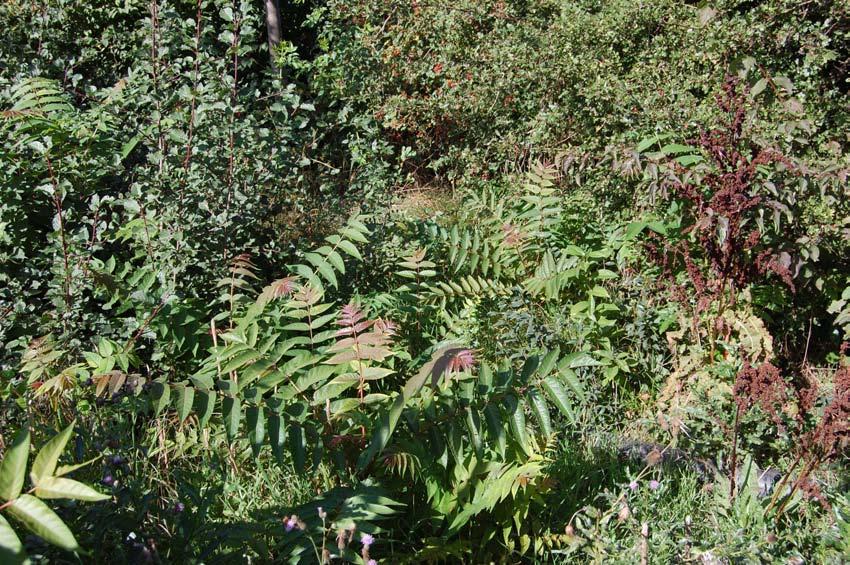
{"x":386,"y":328}
{"x":282,"y":287}
{"x":351,"y":318}
{"x":762,"y":385}
{"x":462,"y":361}
{"x":513,"y":236}
{"x":832,"y":434}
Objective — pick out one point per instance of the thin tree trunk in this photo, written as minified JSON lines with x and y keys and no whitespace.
{"x":273,"y":27}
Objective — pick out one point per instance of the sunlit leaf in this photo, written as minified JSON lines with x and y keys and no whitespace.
{"x":48,"y":456}
{"x":184,"y":400}
{"x":42,"y":521}
{"x":11,"y":548}
{"x":14,"y":466}
{"x":58,"y":487}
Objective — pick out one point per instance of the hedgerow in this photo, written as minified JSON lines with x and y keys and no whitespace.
{"x":424,"y":281}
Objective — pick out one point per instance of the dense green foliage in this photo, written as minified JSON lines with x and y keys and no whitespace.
{"x":560,"y":281}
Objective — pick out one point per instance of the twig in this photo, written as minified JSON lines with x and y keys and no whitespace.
{"x":808,"y":339}
{"x":145,"y":324}
{"x":57,"y":203}
{"x":187,"y":159}
{"x":733,"y":471}
{"x":234,"y":45}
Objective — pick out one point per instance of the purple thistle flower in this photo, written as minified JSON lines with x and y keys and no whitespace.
{"x":179,"y":507}
{"x":290,"y":523}
{"x":633,"y":485}
{"x":653,"y":484}
{"x":367,"y":539}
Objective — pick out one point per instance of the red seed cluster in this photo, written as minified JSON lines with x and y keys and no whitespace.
{"x":724,"y":201}
{"x":762,"y":386}
{"x":832,"y":434}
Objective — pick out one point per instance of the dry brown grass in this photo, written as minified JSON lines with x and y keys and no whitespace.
{"x":423,"y":201}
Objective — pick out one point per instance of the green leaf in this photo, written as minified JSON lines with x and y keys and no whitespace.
{"x":556,"y":393}
{"x":496,"y":427}
{"x":232,"y":416}
{"x":382,"y":433}
{"x":11,"y":548}
{"x":13,"y":469}
{"x":201,"y":381}
{"x":485,"y":378}
{"x":323,"y":267}
{"x":344,"y":405}
{"x":633,"y":229}
{"x":657,"y":227}
{"x":758,"y":87}
{"x":277,"y":436}
{"x":516,"y":415}
{"x":785,"y":83}
{"x":688,"y":160}
{"x":333,"y":389}
{"x":435,"y":368}
{"x":129,"y":146}
{"x":473,"y":423}
{"x":549,"y":362}
{"x":296,"y":443}
{"x":160,"y":395}
{"x":240,"y":360}
{"x":355,"y":223}
{"x":185,"y":398}
{"x":350,"y":249}
{"x":650,"y":141}
{"x":65,"y":469}
{"x":205,"y":400}
{"x":227,"y":387}
{"x":256,"y":421}
{"x":57,"y":487}
{"x":572,"y":381}
{"x":676,"y":149}
{"x":577,"y":360}
{"x":540,"y":410}
{"x":318,"y":448}
{"x":529,"y":367}
{"x":48,"y":456}
{"x":335,"y":259}
{"x":579,"y":307}
{"x":43,"y":522}
{"x":599,"y":292}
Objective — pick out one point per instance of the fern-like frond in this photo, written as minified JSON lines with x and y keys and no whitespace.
{"x":39,"y":96}
{"x":541,"y":206}
{"x":402,"y":463}
{"x":326,"y":262}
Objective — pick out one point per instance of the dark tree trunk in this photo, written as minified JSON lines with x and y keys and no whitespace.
{"x":273,"y":26}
